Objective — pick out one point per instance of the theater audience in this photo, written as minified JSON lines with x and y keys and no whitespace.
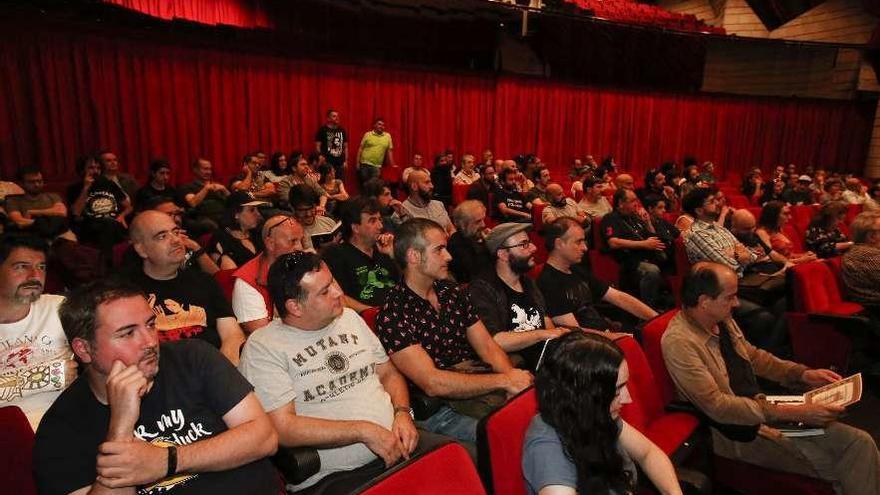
{"x":158,"y":185}
{"x":468,"y":174}
{"x":109,"y":163}
{"x":657,"y":206}
{"x":715,"y":368}
{"x":36,"y":211}
{"x":743,"y":226}
{"x":204,"y":199}
{"x":510,"y":204}
{"x":467,"y":244}
{"x":560,"y":206}
{"x":236,"y":242}
{"x":570,"y":289}
{"x":833,"y":191}
{"x":37,"y":361}
{"x":508,"y":302}
{"x":635,"y":245}
{"x":362,"y":263}
{"x":774,"y":192}
{"x":823,"y":235}
{"x":417,"y":165}
{"x":388,"y":204}
{"x":861,"y":263}
{"x":279,"y":168}
{"x":435,"y":338}
{"x":441,"y":177}
{"x":149,"y":416}
{"x":331,"y":141}
{"x":538,"y":194}
{"x":856,"y":193}
{"x":753,"y":186}
{"x":325,"y":379}
{"x":187,"y":303}
{"x":251,"y":300}
{"x":800,"y":194}
{"x":319,"y":229}
{"x":251,"y":179}
{"x":578,"y":443}
{"x":419,"y":202}
{"x":774,"y":216}
{"x":195,"y":254}
{"x":301,"y":175}
{"x":593,"y":201}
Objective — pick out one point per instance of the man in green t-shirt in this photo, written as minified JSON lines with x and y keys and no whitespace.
{"x":376,"y":148}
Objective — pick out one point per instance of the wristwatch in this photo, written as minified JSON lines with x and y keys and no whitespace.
{"x":406,"y":409}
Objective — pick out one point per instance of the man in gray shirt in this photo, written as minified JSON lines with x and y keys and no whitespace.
{"x":419,"y":203}
{"x":323,"y":376}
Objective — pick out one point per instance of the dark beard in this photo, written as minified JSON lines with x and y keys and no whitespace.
{"x":519,"y":265}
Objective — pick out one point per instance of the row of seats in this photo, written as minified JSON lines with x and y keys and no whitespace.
{"x":640,"y":13}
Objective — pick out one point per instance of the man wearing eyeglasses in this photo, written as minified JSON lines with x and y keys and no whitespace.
{"x":187,"y":303}
{"x":251,"y":302}
{"x":508,"y":302}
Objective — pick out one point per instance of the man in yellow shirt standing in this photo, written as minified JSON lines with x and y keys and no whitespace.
{"x":376,"y":148}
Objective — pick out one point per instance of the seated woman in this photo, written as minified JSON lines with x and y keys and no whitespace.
{"x":578,"y":443}
{"x":823,"y":234}
{"x":236,"y":242}
{"x":774,"y":216}
{"x":334,"y":188}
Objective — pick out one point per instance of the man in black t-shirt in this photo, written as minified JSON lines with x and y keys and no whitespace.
{"x":507,"y":301}
{"x":469,"y":253}
{"x":362,"y":264}
{"x":570,"y":290}
{"x":187,"y":303}
{"x":158,"y":185}
{"x":331,"y":141}
{"x":482,"y":189}
{"x":633,"y":242}
{"x":98,"y":207}
{"x":510,"y":204}
{"x":193,"y":426}
{"x":204,"y":199}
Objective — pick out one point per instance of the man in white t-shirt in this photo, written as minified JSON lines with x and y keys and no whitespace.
{"x":323,"y":376}
{"x":36,"y":362}
{"x":250,"y":295}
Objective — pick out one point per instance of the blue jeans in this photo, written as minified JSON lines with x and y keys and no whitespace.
{"x":452,"y":424}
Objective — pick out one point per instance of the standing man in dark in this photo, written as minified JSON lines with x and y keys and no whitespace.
{"x":331,"y":141}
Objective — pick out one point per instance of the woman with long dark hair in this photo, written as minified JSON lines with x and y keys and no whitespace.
{"x":774,"y":216}
{"x":578,"y":443}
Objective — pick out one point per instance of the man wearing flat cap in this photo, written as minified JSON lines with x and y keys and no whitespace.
{"x":508,"y":302}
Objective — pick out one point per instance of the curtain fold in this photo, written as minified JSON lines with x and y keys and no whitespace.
{"x":239,"y":13}
{"x":65,"y":94}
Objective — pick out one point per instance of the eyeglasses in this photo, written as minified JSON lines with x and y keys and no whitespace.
{"x":524,"y":244}
{"x":270,"y":229}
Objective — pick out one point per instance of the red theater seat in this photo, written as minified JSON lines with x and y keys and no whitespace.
{"x":16,"y":445}
{"x":459,"y":193}
{"x":226,"y":281}
{"x":604,"y":266}
{"x":816,"y":290}
{"x":500,"y":438}
{"x":369,"y":316}
{"x":445,"y":470}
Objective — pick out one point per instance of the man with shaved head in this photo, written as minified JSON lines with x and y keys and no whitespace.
{"x":742,"y":226}
{"x":420,"y":203}
{"x":715,"y":368}
{"x":561,"y":206}
{"x":251,"y":302}
{"x":625,"y":181}
{"x":467,"y":245}
{"x":187,"y":303}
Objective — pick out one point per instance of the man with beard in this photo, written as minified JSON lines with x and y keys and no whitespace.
{"x":435,"y":338}
{"x":110,"y":168}
{"x":331,"y":141}
{"x":507,"y":301}
{"x":36,"y":360}
{"x":485,"y":187}
{"x":510,"y":204}
{"x":562,"y":206}
{"x":187,"y":303}
{"x":204,"y":199}
{"x":98,"y":207}
{"x":36,"y":211}
{"x":419,"y":203}
{"x":469,"y":253}
{"x":192,"y":426}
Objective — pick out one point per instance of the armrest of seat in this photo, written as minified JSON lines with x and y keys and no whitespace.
{"x":693,"y":482}
{"x":297,"y":464}
{"x":685,"y":407}
{"x":848,"y":324}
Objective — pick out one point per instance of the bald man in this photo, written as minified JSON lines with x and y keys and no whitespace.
{"x":625,"y":181}
{"x":251,"y":303}
{"x":561,"y":206}
{"x":742,"y":226}
{"x":187,"y":303}
{"x":714,"y":367}
{"x":419,"y":203}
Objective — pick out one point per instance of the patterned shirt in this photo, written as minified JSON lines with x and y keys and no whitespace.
{"x":861,"y":274}
{"x":822,"y":241}
{"x":709,"y":242}
{"x":407,"y":319}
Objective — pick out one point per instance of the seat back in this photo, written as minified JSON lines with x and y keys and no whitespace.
{"x":652,"y":332}
{"x":646,"y":405}
{"x":500,"y":437}
{"x":604,"y":266}
{"x":814,"y":287}
{"x":16,"y":445}
{"x":801,"y":215}
{"x":538,"y":216}
{"x":796,"y":238}
{"x":459,"y":192}
{"x":226,"y":281}
{"x":442,"y":471}
{"x":369,"y":316}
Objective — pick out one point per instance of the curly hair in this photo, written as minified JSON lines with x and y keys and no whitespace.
{"x":770,"y":216}
{"x":575,"y":387}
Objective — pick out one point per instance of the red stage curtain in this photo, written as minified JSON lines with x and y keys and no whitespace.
{"x":240,"y":13}
{"x":66,"y":93}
